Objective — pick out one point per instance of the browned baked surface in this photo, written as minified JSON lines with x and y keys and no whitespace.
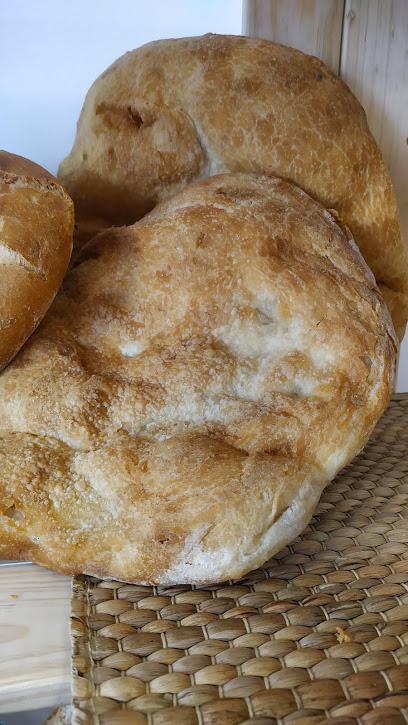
{"x":198,"y":380}
{"x":36,"y":225}
{"x":317,"y":636}
{"x":176,"y":110}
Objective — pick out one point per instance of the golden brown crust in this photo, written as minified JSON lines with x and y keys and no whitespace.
{"x":198,"y":380}
{"x":176,"y":110}
{"x":36,"y":225}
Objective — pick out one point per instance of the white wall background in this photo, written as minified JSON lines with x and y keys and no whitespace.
{"x":52,"y":50}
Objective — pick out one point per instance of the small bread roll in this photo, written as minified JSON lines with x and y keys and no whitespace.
{"x":199,"y":379}
{"x":178,"y":110}
{"x":36,"y":226}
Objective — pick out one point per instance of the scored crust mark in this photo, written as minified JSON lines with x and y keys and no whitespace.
{"x":198,"y":380}
{"x":12,"y":257}
{"x":178,"y":110}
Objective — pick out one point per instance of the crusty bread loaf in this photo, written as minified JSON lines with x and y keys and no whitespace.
{"x":176,"y":110}
{"x":36,"y":226}
{"x":198,"y":380}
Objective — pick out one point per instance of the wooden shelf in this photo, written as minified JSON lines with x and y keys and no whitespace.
{"x":35,"y":650}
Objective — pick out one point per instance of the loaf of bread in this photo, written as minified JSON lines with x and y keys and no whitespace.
{"x":36,"y":226}
{"x":177,"y":110}
{"x":198,"y":380}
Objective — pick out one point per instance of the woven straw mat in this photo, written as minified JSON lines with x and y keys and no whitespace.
{"x":318,"y":635}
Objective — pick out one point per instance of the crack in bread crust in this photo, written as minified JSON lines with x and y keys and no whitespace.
{"x":198,"y":380}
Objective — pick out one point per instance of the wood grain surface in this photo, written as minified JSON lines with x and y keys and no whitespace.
{"x":374,"y":64}
{"x":366,"y":43}
{"x":313,"y":26}
{"x":34,"y":638}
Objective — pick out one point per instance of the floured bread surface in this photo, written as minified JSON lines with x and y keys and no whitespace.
{"x":177,"y":110}
{"x":198,"y":380}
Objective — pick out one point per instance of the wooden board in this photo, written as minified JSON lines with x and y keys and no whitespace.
{"x":313,"y":26}
{"x":366,"y":43}
{"x":35,"y":646}
{"x":374,"y":64}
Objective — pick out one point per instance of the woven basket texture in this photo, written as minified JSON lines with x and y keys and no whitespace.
{"x":319,"y":634}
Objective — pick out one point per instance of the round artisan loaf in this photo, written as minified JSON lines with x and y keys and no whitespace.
{"x":200,"y":377}
{"x":36,"y":226}
{"x":174,"y":111}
